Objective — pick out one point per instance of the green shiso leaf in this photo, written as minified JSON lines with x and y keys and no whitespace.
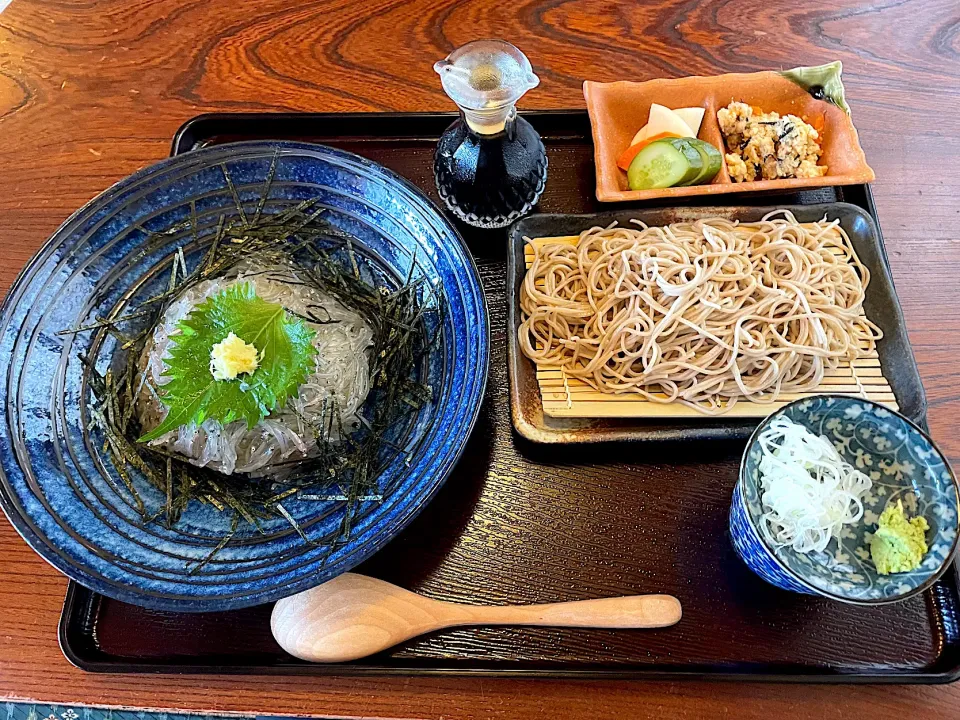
{"x":826,"y":76}
{"x":285,"y":348}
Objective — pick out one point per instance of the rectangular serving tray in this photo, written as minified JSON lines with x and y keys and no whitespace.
{"x":880,"y":304}
{"x":519,"y":522}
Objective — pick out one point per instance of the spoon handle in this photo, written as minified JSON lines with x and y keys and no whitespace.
{"x":633,"y":611}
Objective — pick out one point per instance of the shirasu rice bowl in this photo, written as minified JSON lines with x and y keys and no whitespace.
{"x":339,"y":381}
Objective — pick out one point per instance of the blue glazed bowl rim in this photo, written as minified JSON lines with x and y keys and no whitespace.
{"x":762,"y":542}
{"x":131,"y":595}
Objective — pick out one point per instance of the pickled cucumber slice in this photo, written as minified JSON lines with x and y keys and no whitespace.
{"x":664,"y":163}
{"x":712,"y":161}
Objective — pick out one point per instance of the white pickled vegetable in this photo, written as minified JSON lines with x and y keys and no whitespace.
{"x":692,"y":116}
{"x":662,"y":120}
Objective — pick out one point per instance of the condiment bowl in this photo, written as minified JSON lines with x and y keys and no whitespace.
{"x":903,"y":464}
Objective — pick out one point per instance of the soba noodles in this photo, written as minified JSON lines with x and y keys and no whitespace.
{"x":703,"y":313}
{"x":340,"y":380}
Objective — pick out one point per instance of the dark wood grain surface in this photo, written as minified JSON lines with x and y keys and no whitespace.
{"x":90,"y":91}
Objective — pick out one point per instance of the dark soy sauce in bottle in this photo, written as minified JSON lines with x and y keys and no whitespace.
{"x":490,"y":165}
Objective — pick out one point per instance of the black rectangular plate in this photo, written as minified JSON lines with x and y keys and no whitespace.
{"x":519,"y":522}
{"x":880,"y":304}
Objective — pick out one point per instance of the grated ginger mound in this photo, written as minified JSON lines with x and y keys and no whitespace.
{"x":231,"y":357}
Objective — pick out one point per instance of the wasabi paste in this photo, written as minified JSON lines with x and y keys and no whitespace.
{"x":898,"y":544}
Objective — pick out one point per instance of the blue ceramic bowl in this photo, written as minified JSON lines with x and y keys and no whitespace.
{"x":903,"y":464}
{"x":63,"y":494}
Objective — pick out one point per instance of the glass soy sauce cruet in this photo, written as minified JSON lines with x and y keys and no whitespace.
{"x":490,"y":165}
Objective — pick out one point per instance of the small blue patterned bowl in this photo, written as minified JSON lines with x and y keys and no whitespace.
{"x":903,"y":464}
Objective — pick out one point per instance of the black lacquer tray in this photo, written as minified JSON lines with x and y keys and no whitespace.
{"x":519,"y":522}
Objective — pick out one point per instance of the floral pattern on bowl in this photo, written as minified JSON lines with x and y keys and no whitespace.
{"x":902,"y":463}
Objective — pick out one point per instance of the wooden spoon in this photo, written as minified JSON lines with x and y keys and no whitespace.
{"x":353,"y":616}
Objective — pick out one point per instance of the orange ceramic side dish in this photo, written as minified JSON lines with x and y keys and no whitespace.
{"x":618,"y":109}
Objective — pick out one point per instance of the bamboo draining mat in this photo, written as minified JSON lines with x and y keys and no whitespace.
{"x":565,"y":396}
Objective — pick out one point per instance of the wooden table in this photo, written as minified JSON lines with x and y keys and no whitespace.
{"x":91,"y":91}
